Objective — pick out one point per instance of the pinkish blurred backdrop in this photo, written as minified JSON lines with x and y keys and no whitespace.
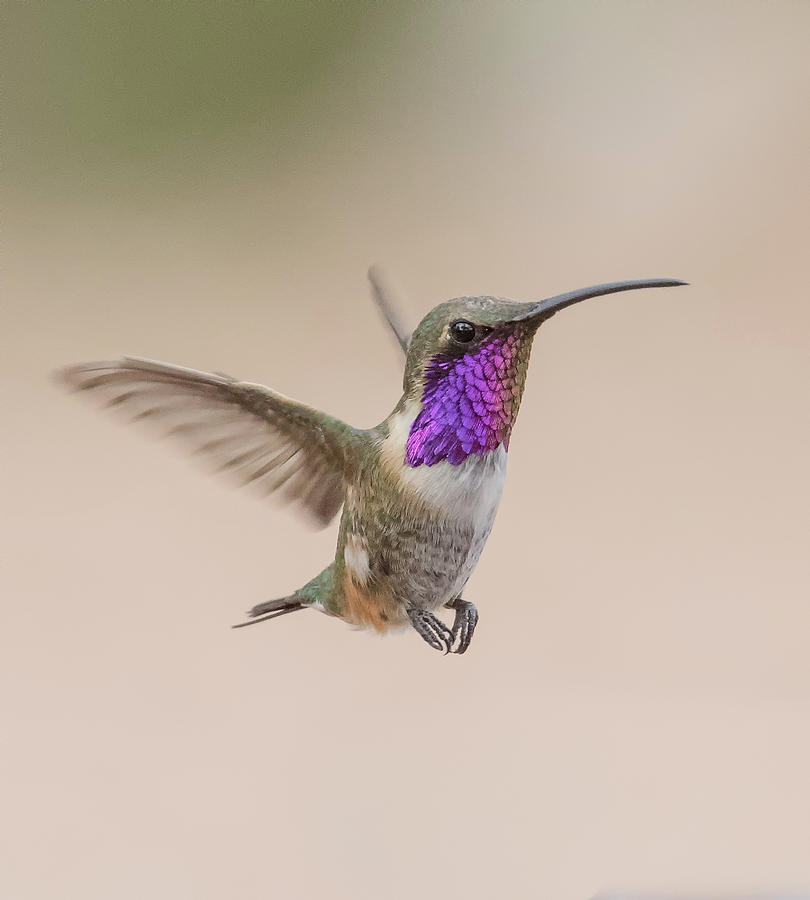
{"x":206,"y":184}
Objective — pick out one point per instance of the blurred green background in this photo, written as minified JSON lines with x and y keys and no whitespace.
{"x":206,"y":183}
{"x":107,"y":87}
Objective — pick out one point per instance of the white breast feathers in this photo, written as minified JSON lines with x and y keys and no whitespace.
{"x":470,"y":491}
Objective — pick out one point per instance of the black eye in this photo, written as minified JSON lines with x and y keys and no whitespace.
{"x":462,"y":331}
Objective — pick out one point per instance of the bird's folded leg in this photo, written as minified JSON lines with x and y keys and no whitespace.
{"x":431,"y":629}
{"x":464,"y":623}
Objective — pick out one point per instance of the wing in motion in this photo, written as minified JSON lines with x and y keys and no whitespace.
{"x":384,"y":296}
{"x":264,"y":437}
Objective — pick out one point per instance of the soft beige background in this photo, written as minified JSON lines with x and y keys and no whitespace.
{"x":206,"y":184}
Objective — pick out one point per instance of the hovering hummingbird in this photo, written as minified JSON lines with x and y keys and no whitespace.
{"x":419,"y":491}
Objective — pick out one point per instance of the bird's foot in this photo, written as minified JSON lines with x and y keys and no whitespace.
{"x":464,"y":623}
{"x":431,"y":629}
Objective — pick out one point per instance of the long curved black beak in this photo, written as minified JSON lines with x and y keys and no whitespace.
{"x":545,"y":309}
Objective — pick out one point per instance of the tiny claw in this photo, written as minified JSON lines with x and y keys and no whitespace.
{"x":432,"y":630}
{"x":464,"y":624}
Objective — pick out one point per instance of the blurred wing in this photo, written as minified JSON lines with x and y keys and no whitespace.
{"x":385,"y":298}
{"x":266,"y":439}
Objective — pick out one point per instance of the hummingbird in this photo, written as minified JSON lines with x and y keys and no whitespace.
{"x":418,"y":492}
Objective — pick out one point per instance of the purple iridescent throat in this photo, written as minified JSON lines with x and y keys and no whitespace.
{"x":470,"y":403}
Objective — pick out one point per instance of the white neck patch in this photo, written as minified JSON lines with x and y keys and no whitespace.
{"x":471,"y":490}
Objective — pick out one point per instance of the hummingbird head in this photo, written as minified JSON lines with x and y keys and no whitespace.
{"x":466,"y":366}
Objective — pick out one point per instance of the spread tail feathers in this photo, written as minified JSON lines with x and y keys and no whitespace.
{"x":272,"y":609}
